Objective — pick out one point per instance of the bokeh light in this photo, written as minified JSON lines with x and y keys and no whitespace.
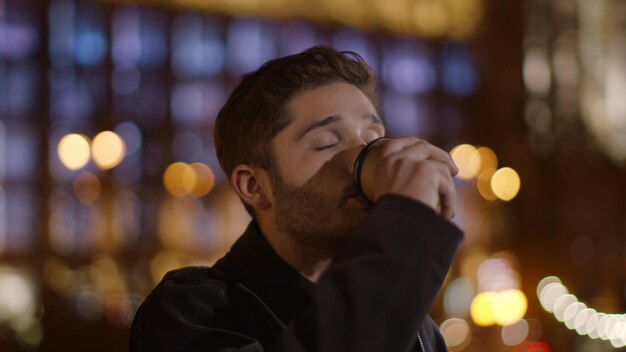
{"x":500,"y":300}
{"x":532,"y":346}
{"x":554,"y":297}
{"x":508,"y":306}
{"x":17,"y":296}
{"x":505,"y":183}
{"x":481,"y":309}
{"x":483,"y":184}
{"x":581,"y":319}
{"x":549,"y":289}
{"x":537,"y":72}
{"x":543,"y":284}
{"x":189,"y":178}
{"x":58,"y":276}
{"x":87,"y":187}
{"x":467,"y":159}
{"x":29,"y":331}
{"x":460,"y":76}
{"x":516,"y":333}
{"x":497,"y":273}
{"x":87,"y":303}
{"x":74,"y":151}
{"x":203,"y":180}
{"x":535,"y":329}
{"x":570,"y":313}
{"x":561,"y":304}
{"x":108,"y":150}
{"x":181,"y":179}
{"x":458,"y":297}
{"x":488,"y":159}
{"x":177,"y":178}
{"x":457,"y":333}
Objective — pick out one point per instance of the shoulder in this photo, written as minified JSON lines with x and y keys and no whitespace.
{"x":193,"y":276}
{"x":184,"y":286}
{"x":192,"y":306}
{"x":187,"y":292}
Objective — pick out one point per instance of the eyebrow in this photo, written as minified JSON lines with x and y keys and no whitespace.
{"x":333,"y":119}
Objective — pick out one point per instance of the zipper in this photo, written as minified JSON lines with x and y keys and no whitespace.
{"x":419,"y":338}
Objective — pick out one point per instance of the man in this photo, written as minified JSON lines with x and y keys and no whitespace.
{"x":317,"y":269}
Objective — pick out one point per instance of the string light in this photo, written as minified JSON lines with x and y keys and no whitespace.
{"x":577,"y":316}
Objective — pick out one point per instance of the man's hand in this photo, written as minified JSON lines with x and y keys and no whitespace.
{"x":415,"y":168}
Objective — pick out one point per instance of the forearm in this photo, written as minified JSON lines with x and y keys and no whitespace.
{"x":383,"y":282}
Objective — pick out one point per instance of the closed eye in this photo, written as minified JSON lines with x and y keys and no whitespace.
{"x":325,"y":147}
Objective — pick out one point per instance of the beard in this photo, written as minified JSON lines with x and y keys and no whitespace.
{"x":315,"y":216}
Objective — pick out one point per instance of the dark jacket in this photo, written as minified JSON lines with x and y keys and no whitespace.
{"x":375,"y":296}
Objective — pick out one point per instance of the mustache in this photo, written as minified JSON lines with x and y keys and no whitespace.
{"x":350,"y":192}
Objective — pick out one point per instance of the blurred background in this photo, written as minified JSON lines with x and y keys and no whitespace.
{"x":108,"y":175}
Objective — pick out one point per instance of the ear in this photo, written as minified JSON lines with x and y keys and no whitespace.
{"x":252,"y":186}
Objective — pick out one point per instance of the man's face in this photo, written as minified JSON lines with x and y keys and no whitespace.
{"x":315,"y":199}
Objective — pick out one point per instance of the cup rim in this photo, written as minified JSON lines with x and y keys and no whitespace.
{"x":358,"y":165}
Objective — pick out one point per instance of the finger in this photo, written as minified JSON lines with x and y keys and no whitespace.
{"x":421,"y":150}
{"x":395,"y":145}
{"x":447,"y":195}
{"x":447,"y":192}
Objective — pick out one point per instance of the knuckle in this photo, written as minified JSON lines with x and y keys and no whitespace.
{"x":393,"y":144}
{"x":424,"y":167}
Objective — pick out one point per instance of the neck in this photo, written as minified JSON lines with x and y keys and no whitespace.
{"x":297,"y":257}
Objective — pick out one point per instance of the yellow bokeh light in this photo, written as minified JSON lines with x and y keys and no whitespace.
{"x":73,"y":150}
{"x":177,"y":178}
{"x":467,"y":159}
{"x":508,"y":306}
{"x":481,"y":309}
{"x":483,"y":184}
{"x":505,"y":183}
{"x":488,"y":159}
{"x":202,"y":181}
{"x":189,"y":179}
{"x":431,"y":18}
{"x":108,"y":150}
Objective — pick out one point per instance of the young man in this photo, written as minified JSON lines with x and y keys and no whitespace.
{"x":317,"y":269}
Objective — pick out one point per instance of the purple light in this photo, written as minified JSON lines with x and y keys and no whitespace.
{"x":250,"y":44}
{"x":408,"y":70}
{"x":19,"y":40}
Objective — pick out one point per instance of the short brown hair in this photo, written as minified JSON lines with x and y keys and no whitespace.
{"x":256,"y":110}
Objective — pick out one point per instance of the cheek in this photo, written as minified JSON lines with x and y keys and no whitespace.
{"x":298,"y":168}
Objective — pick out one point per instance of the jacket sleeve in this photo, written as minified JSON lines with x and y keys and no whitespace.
{"x":381,"y":285}
{"x":373,"y":297}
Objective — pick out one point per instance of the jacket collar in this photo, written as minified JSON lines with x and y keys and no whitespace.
{"x":253,"y":262}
